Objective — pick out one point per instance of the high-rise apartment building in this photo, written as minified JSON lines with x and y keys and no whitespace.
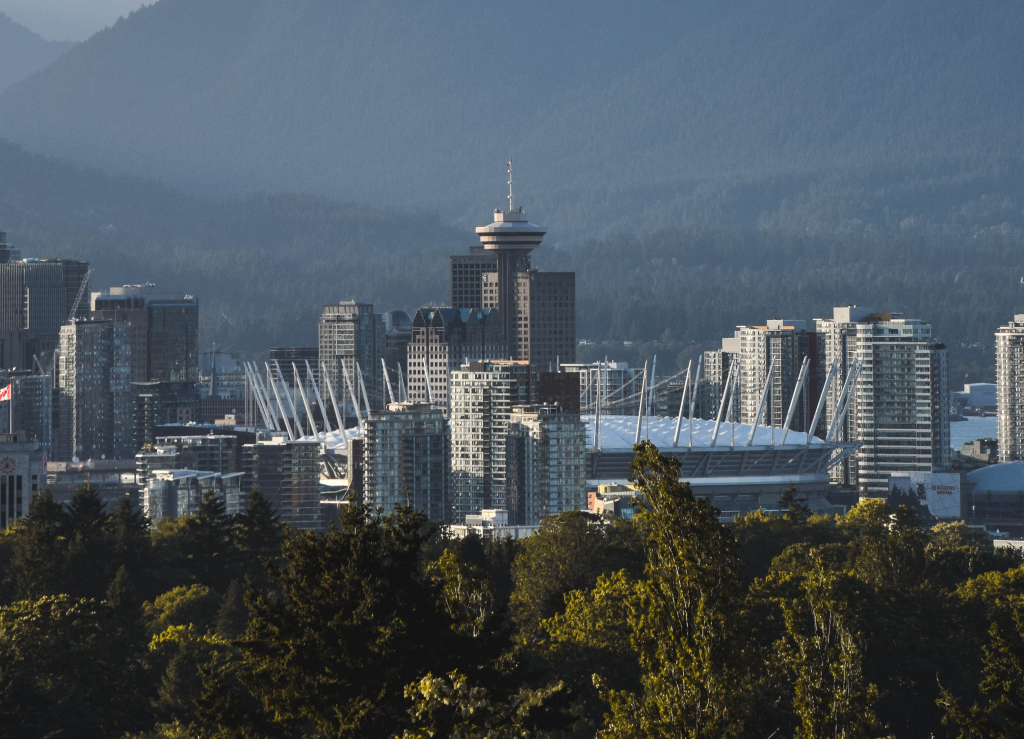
{"x":163,"y":331}
{"x":442,"y":340}
{"x":405,"y":460}
{"x":544,"y":461}
{"x":482,"y":397}
{"x":714,"y":376}
{"x":288,"y":474}
{"x":780,"y":345}
{"x":94,"y":391}
{"x":176,"y":492}
{"x":899,"y":406}
{"x":36,"y":298}
{"x":1010,"y":389}
{"x":351,"y":333}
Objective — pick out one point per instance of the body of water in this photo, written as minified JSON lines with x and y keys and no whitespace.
{"x":961,"y":432}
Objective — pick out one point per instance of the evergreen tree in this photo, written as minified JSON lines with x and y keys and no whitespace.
{"x":354,"y":625}
{"x":123,"y":597}
{"x":258,"y":535}
{"x":89,"y":563}
{"x":233,"y":616}
{"x":796,"y":510}
{"x":130,"y":540}
{"x":39,"y":550}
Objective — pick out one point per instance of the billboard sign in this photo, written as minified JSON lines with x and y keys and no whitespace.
{"x":938,"y":492}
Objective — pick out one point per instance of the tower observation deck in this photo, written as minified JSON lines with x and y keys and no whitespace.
{"x":511,"y":237}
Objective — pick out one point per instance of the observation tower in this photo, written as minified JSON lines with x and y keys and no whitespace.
{"x":511,"y":238}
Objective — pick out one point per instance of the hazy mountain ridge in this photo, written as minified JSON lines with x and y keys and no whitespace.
{"x":262,"y":267}
{"x":23,"y":53}
{"x":418,"y":104}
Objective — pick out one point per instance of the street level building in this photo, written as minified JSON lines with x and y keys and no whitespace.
{"x":899,"y":404}
{"x":94,"y":391}
{"x":288,"y":475}
{"x":405,"y":460}
{"x":442,"y":340}
{"x":352,"y":338}
{"x":36,"y":298}
{"x":482,"y":397}
{"x":1010,"y":389}
{"x":22,"y":474}
{"x":545,"y":463}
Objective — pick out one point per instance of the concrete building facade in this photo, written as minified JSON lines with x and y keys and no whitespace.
{"x":94,"y":391}
{"x":352,"y":334}
{"x":442,"y":340}
{"x":482,"y":397}
{"x":288,"y":474}
{"x":1010,"y":389}
{"x":899,"y":407}
{"x":36,"y":298}
{"x":22,"y":474}
{"x":405,"y":460}
{"x":545,"y":463}
{"x":163,"y":330}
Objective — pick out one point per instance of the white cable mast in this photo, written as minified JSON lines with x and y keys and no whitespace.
{"x":305,"y":401}
{"x":762,"y":402}
{"x":721,"y":404}
{"x":693,"y":396}
{"x":319,"y":400}
{"x":682,"y":403}
{"x":801,"y":378}
{"x":640,"y":410}
{"x":334,"y":402}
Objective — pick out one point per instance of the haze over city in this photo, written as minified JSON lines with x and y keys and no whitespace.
{"x":542,"y":369}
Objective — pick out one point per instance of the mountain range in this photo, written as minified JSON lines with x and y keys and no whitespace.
{"x":618,"y":115}
{"x":23,"y":53}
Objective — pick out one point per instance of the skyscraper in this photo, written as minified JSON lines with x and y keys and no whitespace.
{"x":1010,"y":389}
{"x":537,"y":309}
{"x":32,"y":400}
{"x":780,"y":345}
{"x":94,"y":391}
{"x":352,"y":333}
{"x":442,"y":340}
{"x":164,"y":331}
{"x":899,"y":407}
{"x":405,"y":460}
{"x":38,"y":295}
{"x":482,"y":397}
{"x":544,"y":461}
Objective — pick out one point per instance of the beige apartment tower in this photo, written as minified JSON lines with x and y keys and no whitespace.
{"x":1010,"y":389}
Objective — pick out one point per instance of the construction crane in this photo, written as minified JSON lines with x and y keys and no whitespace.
{"x":71,"y":319}
{"x":78,"y":298}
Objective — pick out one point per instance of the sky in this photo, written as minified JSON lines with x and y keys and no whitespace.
{"x":68,"y":20}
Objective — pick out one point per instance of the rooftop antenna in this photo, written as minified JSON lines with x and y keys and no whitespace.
{"x":510,"y":184}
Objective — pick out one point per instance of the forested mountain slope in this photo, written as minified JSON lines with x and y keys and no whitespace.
{"x":262,"y":266}
{"x":653,"y":111}
{"x":23,"y":53}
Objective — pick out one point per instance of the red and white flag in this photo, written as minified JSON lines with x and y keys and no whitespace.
{"x":5,"y":394}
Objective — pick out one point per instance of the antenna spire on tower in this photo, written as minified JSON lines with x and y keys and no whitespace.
{"x":510,"y":184}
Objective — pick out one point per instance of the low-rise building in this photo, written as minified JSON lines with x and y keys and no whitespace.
{"x":22,"y":474}
{"x":173,"y":493}
{"x":491,"y":523}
